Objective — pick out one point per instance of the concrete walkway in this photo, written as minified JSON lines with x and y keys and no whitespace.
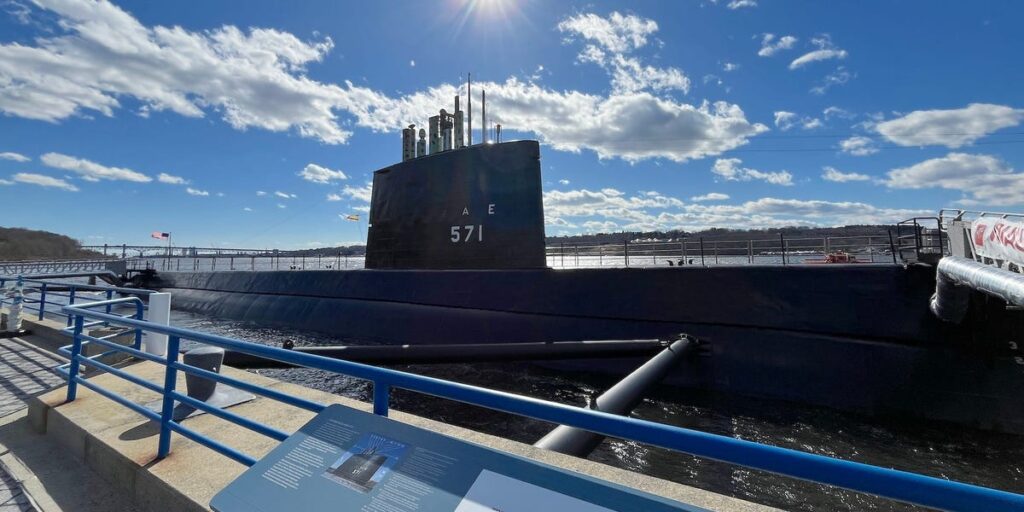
{"x":24,"y":372}
{"x":37,"y":474}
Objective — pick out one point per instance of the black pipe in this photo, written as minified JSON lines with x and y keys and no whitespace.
{"x":460,"y":353}
{"x":620,"y":399}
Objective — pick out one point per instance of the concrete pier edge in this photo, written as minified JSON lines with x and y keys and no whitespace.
{"x":120,"y":446}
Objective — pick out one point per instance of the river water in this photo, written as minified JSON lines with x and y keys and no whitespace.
{"x":993,"y":460}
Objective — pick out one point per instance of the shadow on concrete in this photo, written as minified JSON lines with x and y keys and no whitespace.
{"x":55,"y":479}
{"x":147,"y":429}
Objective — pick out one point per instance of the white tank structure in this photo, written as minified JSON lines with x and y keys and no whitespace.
{"x":446,"y":130}
{"x":433,"y":124}
{"x":421,"y":144}
{"x":409,"y":143}
{"x":460,"y":138}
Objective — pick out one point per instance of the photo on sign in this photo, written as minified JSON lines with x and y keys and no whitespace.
{"x":366,"y":463}
{"x":494,"y":492}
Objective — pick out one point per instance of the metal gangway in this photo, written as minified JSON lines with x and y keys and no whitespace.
{"x":52,"y":267}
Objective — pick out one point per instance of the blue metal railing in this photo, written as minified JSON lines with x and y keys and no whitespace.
{"x":889,"y":483}
{"x":50,"y":289}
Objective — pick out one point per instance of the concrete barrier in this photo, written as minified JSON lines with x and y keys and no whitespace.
{"x":121,"y":446}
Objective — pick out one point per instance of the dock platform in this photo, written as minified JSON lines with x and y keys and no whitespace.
{"x":107,"y":453}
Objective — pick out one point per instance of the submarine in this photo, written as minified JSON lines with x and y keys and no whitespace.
{"x":456,"y":256}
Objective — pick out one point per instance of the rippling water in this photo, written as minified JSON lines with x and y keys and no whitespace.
{"x":988,"y":459}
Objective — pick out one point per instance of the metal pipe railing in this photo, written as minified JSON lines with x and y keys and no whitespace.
{"x":890,"y":483}
{"x":49,"y":289}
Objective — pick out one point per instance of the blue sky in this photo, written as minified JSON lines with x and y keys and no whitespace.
{"x":260,"y":126}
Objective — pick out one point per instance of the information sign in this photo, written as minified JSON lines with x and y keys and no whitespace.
{"x":346,"y":459}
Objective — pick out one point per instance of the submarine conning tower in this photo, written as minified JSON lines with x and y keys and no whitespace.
{"x":459,"y":207}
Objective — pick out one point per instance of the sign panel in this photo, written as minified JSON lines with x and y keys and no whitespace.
{"x":346,"y":459}
{"x":999,"y":239}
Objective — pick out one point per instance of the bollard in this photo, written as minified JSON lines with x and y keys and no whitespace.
{"x":160,"y":313}
{"x":202,"y":389}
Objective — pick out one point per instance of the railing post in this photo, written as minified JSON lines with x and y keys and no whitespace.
{"x":42,"y":300}
{"x":381,"y":397}
{"x":716,"y":252}
{"x":110,"y":295}
{"x":702,"y":252}
{"x":625,"y":251}
{"x":576,"y":249}
{"x":892,"y":247}
{"x":167,"y":411}
{"x":76,"y":349}
{"x":71,"y":301}
{"x":750,"y":252}
{"x":782,"y":244}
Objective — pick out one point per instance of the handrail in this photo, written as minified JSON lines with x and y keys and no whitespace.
{"x":890,"y":483}
{"x":44,"y":290}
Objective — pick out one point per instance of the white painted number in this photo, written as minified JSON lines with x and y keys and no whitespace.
{"x":457,"y":233}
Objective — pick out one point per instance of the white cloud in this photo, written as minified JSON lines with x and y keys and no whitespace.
{"x":563,"y":182}
{"x":712,"y":196}
{"x":739,"y":4}
{"x":91,"y":171}
{"x":770,"y":46}
{"x":729,"y":168}
{"x":610,"y":41}
{"x":594,"y":226}
{"x":17,"y":157}
{"x":785,"y":120}
{"x":412,"y":63}
{"x":333,"y":197}
{"x":730,"y":66}
{"x":984,"y":178}
{"x":285,"y":195}
{"x":833,"y":174}
{"x":256,"y":78}
{"x":44,"y":181}
{"x":616,"y":33}
{"x":281,"y":206}
{"x":320,"y":174}
{"x":363,"y":193}
{"x":826,"y":50}
{"x":196,"y":192}
{"x":858,"y":146}
{"x":811,"y":123}
{"x":253,"y":78}
{"x":838,"y":77}
{"x":609,"y":209}
{"x":951,"y":128}
{"x":834,"y":111}
{"x":260,"y":193}
{"x":172,"y":180}
{"x":246,"y":209}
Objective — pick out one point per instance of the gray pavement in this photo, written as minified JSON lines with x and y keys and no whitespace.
{"x":25,"y":371}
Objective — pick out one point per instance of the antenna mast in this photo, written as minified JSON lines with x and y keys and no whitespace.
{"x":469,"y":105}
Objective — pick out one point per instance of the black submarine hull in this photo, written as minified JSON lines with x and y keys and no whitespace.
{"x":853,"y":337}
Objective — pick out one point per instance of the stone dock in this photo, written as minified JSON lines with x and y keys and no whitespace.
{"x":95,"y":455}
